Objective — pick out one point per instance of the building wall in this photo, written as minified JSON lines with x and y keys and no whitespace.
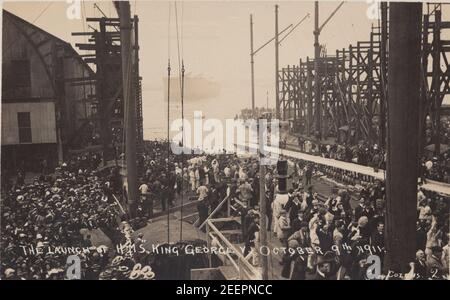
{"x":15,"y":46}
{"x":52,"y":62}
{"x":43,"y":124}
{"x":75,"y":96}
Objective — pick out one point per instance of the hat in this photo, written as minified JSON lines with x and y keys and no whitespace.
{"x":363,"y":221}
{"x":137,"y":267}
{"x":328,"y":257}
{"x":149,"y":276}
{"x":123,"y":269}
{"x":146,"y":269}
{"x":293,"y":244}
{"x":117,"y":260}
{"x":105,"y":275}
{"x":9,"y":273}
{"x":135,"y":274}
{"x":147,"y":273}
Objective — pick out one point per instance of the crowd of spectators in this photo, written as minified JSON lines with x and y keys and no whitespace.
{"x":432,"y":167}
{"x":333,"y":237}
{"x":55,"y":215}
{"x":61,"y":209}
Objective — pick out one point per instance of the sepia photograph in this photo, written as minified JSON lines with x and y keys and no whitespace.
{"x":214,"y":141}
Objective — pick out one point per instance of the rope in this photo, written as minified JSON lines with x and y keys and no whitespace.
{"x":168,"y":34}
{"x":178,"y":44}
{"x":182,"y":29}
{"x":181,"y":76}
{"x":182,"y":153}
{"x":168,"y":123}
{"x":42,"y":12}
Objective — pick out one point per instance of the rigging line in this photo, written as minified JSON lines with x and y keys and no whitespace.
{"x":104,"y":15}
{"x":84,"y":29}
{"x":7,"y":48}
{"x":182,"y":152}
{"x":42,"y":12}
{"x":83,"y":15}
{"x":128,"y":82}
{"x":181,"y":78}
{"x":178,"y":44}
{"x":168,"y":119}
{"x":168,"y":34}
{"x":100,"y":10}
{"x":182,"y":123}
{"x":168,"y":149}
{"x":182,"y":29}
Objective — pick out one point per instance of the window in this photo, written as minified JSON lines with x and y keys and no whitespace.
{"x":24,"y":122}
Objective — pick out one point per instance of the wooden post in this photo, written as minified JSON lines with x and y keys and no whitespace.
{"x":317,"y":96}
{"x":383,"y":63}
{"x":130,"y":102}
{"x":262,"y":202}
{"x":208,"y":241}
{"x":403,"y":115}
{"x":277,"y":44}
{"x":252,"y":63}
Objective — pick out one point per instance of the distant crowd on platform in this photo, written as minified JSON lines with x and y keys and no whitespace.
{"x":432,"y":167}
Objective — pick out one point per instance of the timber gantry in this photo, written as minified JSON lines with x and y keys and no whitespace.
{"x":353,"y":86}
{"x":104,"y":45}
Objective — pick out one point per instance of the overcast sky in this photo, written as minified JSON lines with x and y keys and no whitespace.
{"x":216,"y":44}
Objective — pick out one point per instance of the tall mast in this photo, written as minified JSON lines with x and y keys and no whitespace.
{"x":252,"y":63}
{"x":277,"y":44}
{"x":130,"y":103}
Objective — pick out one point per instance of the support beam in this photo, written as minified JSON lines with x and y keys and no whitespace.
{"x":383,"y":67}
{"x":403,"y":121}
{"x":262,"y":201}
{"x":277,"y":44}
{"x":252,"y":64}
{"x":317,"y":95}
{"x":436,"y":82}
{"x":130,"y":102}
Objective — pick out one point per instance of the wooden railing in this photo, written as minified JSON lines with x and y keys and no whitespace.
{"x":213,"y":213}
{"x":244,"y":269}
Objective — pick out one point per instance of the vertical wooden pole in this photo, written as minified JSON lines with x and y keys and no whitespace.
{"x":252,"y":63}
{"x":130,"y":102}
{"x":403,"y":122}
{"x":383,"y":62}
{"x":277,"y":44}
{"x":317,"y":96}
{"x":262,"y":202}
